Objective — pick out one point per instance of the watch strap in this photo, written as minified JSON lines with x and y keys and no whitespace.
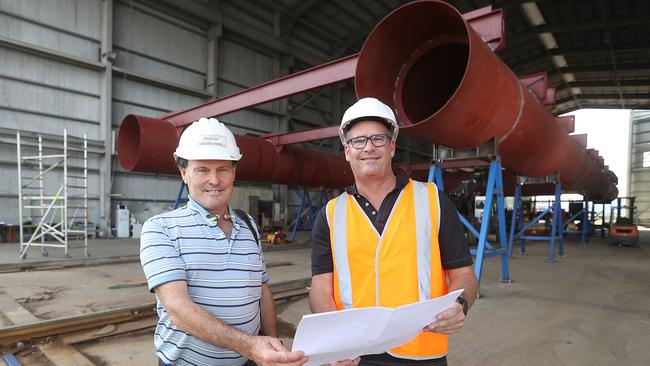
{"x":461,"y":300}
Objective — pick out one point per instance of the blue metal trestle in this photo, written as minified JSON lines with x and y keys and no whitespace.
{"x":494,"y":192}
{"x":557,"y":227}
{"x":307,"y":204}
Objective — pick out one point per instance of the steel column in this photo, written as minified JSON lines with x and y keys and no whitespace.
{"x":516,"y":210}
{"x":584,"y":236}
{"x":556,"y":226}
{"x":106,"y":120}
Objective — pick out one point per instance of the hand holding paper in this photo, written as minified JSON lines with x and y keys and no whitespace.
{"x":346,"y":334}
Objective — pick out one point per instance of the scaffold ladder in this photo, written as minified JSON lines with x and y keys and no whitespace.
{"x":52,"y":207}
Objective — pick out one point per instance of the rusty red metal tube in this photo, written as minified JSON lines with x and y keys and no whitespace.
{"x":147,"y":144}
{"x":448,"y":87}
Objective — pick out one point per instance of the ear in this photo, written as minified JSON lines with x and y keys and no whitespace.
{"x":393,"y":145}
{"x":346,"y":151}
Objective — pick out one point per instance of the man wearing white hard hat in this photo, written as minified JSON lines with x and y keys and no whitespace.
{"x":389,"y":241}
{"x":204,"y":263}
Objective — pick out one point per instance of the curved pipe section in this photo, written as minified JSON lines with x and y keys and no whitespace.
{"x":146,"y":144}
{"x":448,"y":87}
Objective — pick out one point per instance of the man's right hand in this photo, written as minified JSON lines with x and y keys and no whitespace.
{"x":270,"y":351}
{"x":354,"y":362}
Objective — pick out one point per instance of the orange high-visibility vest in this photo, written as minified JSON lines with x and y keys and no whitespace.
{"x":400,"y":266}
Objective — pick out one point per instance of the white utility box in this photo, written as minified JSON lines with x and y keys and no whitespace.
{"x":122,"y":221}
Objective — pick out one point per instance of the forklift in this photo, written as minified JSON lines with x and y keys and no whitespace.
{"x":623,"y":228}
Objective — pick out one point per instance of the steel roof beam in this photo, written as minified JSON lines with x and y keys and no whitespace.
{"x":600,"y":68}
{"x":615,"y":96}
{"x":575,"y":26}
{"x":608,"y":83}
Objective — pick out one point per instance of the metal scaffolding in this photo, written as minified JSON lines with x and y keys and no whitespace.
{"x":53,"y":207}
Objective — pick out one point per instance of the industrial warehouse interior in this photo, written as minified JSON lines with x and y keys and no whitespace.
{"x":532,"y":116}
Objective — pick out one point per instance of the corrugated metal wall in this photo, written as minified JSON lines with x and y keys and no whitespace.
{"x":53,"y":74}
{"x":48,"y":81}
{"x":639,"y":182}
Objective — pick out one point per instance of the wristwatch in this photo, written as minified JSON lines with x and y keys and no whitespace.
{"x":461,"y":300}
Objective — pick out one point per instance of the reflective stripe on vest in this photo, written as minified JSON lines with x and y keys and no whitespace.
{"x":341,"y":253}
{"x":400,"y":266}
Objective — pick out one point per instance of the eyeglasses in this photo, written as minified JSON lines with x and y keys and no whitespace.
{"x":360,"y":142}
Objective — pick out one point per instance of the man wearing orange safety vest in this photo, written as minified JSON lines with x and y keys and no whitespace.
{"x":389,"y":241}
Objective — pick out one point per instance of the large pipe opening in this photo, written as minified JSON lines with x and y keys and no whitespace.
{"x":128,"y":143}
{"x":431,"y":80}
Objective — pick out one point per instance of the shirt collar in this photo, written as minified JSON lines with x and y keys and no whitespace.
{"x":400,"y":182}
{"x":207,"y":216}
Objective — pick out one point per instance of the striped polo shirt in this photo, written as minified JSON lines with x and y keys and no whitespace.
{"x":223,"y":275}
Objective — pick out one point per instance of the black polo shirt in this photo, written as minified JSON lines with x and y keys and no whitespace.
{"x":451,"y":237}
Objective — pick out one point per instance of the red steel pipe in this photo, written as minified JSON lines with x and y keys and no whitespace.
{"x":261,"y":160}
{"x":449,"y":88}
{"x":146,"y":144}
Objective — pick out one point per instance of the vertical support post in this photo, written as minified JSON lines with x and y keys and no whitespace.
{"x":584,"y":236}
{"x":64,"y":211}
{"x":85,"y":179}
{"x":179,"y":196}
{"x":303,"y":201}
{"x":40,"y":183}
{"x":593,"y":214}
{"x":283,"y":65}
{"x":485,"y":224}
{"x":516,"y":218}
{"x":435,"y":175}
{"x":560,"y":220}
{"x":212,"y":77}
{"x":520,"y":227}
{"x":20,"y":191}
{"x":602,"y":226}
{"x":501,"y":213}
{"x":105,"y":118}
{"x":556,"y":225}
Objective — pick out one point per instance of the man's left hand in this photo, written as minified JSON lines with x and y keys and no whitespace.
{"x":449,"y":321}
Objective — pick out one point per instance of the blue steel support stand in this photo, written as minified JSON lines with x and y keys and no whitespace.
{"x":179,"y":196}
{"x":584,"y":236}
{"x":602,"y":223}
{"x":592,"y":220}
{"x":307,"y":204}
{"x":584,"y":223}
{"x":494,"y":190}
{"x":557,"y":227}
{"x":516,"y":223}
{"x":10,"y":360}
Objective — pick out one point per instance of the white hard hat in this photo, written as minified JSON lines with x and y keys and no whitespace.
{"x":368,"y":107}
{"x":207,"y":139}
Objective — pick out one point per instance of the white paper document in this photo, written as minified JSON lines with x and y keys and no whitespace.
{"x":346,"y":334}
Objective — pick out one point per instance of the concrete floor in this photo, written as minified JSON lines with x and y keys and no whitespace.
{"x":591,"y":307}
